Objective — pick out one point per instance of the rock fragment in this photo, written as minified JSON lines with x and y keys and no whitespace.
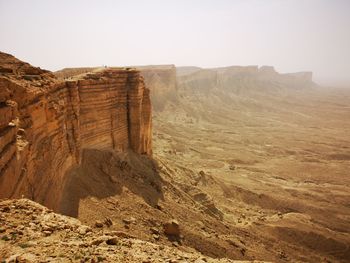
{"x":172,"y":228}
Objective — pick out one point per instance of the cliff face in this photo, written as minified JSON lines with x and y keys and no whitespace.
{"x":160,"y":79}
{"x":46,"y":123}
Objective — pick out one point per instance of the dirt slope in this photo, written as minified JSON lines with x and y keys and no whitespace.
{"x":32,"y":233}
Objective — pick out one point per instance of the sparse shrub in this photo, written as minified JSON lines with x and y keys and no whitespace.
{"x":5,"y":238}
{"x":24,"y":245}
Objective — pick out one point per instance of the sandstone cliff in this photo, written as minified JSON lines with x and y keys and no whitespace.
{"x":46,"y":123}
{"x":160,"y":79}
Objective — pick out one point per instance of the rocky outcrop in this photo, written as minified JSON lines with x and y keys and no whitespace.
{"x":114,"y":111}
{"x":45,"y":123}
{"x":32,"y":233}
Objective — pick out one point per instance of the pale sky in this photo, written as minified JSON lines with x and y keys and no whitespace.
{"x":291,"y":35}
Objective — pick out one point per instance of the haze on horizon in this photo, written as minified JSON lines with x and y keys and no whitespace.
{"x":291,"y":35}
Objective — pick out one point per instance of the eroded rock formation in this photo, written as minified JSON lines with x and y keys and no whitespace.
{"x":45,"y":123}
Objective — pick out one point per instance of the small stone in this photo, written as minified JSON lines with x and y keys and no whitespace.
{"x":155,"y":230}
{"x":83,"y":230}
{"x":172,"y":228}
{"x":98,"y":241}
{"x":282,"y":255}
{"x":98,"y":224}
{"x":47,"y":228}
{"x":175,"y":244}
{"x":112,"y":241}
{"x":129,"y":221}
{"x":47,"y":233}
{"x":20,"y":227}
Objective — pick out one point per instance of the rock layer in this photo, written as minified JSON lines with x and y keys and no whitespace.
{"x":160,"y":80}
{"x":45,"y":123}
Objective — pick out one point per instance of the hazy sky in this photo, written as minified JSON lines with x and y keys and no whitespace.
{"x":292,"y":35}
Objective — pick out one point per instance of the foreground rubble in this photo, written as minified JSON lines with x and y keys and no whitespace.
{"x":30,"y":232}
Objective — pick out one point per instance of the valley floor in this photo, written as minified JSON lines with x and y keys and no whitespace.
{"x":276,"y":167}
{"x":255,"y":178}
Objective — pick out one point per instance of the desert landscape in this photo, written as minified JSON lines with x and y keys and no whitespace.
{"x":175,"y":131}
{"x":247,"y":163}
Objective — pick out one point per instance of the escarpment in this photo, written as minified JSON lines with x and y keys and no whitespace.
{"x":46,"y":123}
{"x":241,"y":80}
{"x":159,"y":79}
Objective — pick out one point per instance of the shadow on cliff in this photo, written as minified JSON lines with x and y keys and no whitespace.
{"x":105,"y":173}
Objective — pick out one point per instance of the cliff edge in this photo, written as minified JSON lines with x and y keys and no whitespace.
{"x":46,"y":123}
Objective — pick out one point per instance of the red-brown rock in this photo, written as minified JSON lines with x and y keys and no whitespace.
{"x":45,"y":123}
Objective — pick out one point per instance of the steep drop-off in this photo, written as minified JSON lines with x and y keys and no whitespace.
{"x":46,"y":123}
{"x":162,"y":82}
{"x":160,"y":79}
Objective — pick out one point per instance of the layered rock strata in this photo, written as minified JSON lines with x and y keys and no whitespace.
{"x":160,"y":79}
{"x":46,"y":123}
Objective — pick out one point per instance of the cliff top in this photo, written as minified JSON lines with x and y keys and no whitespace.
{"x":22,"y":78}
{"x":35,"y":81}
{"x":11,"y":65}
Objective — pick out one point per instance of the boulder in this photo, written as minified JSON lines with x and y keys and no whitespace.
{"x":172,"y":228}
